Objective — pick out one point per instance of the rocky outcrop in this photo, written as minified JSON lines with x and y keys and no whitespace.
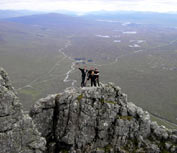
{"x":99,"y":120}
{"x":87,"y":120}
{"x":18,"y":133}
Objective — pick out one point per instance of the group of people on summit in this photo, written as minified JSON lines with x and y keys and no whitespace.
{"x":91,"y":74}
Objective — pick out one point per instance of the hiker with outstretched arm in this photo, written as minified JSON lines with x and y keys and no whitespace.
{"x":97,"y":73}
{"x":83,"y":75}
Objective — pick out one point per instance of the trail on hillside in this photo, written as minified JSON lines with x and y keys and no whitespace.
{"x":169,"y":123}
{"x":35,"y":81}
{"x":72,"y":68}
{"x":67,"y":75}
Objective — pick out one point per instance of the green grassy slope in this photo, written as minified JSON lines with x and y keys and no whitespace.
{"x":148,"y":73}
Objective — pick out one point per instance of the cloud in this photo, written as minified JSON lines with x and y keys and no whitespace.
{"x":91,"y":5}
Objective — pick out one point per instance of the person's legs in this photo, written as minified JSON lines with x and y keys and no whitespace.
{"x":94,"y":82}
{"x":98,"y":82}
{"x":88,"y":80}
{"x":83,"y":82}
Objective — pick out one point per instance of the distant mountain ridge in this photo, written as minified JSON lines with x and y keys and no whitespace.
{"x":16,"y":13}
{"x":164,"y":19}
{"x":50,"y":19}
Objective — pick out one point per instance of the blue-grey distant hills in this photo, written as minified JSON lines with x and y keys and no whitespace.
{"x":166,"y":19}
{"x":16,"y":13}
{"x":47,"y":19}
{"x":57,"y":20}
{"x":30,"y":17}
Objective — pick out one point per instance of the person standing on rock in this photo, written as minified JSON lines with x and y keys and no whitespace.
{"x":96,"y":73}
{"x":83,"y":75}
{"x":92,"y":77}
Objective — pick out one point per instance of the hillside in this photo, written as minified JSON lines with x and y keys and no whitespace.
{"x":40,"y":50}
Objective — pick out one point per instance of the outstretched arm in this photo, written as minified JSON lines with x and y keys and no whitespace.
{"x":80,"y":69}
{"x":77,"y":66}
{"x":97,"y":73}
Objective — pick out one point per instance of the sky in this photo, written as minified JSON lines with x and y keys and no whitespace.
{"x":84,"y":6}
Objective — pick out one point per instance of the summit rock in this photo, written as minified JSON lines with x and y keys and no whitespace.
{"x":99,"y":120}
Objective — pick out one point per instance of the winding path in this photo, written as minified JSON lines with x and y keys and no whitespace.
{"x":35,"y":81}
{"x":72,"y":68}
{"x":164,"y":120}
{"x":67,"y":75}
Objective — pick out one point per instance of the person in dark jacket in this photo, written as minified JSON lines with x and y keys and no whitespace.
{"x":92,"y":77}
{"x":83,"y":75}
{"x":97,"y":76}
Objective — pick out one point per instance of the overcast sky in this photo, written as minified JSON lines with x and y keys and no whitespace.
{"x":91,"y":5}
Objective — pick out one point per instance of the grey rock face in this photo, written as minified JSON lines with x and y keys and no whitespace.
{"x":99,"y":120}
{"x":87,"y":120}
{"x":18,"y":133}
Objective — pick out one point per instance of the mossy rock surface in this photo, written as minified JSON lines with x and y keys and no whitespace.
{"x":79,"y":98}
{"x":102,"y":100}
{"x":107,"y":148}
{"x":129,"y":118}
